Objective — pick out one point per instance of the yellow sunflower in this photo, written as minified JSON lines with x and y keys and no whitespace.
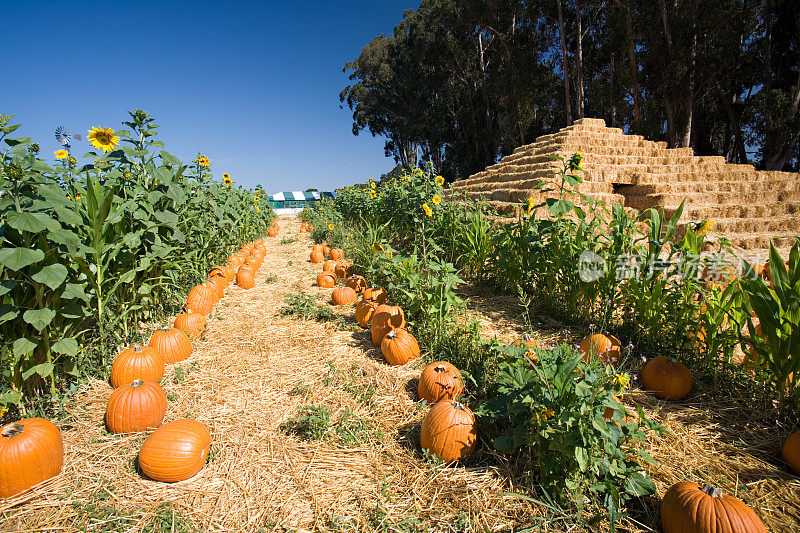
{"x":372,"y":193}
{"x":226,"y":178}
{"x":436,"y":199}
{"x":203,"y":161}
{"x":576,"y":161}
{"x":72,"y":160}
{"x":622,"y":381}
{"x":406,"y":178}
{"x":371,"y":184}
{"x":103,"y":139}
{"x":366,"y":190}
{"x":704,"y":227}
{"x":330,"y":227}
{"x":258,"y":210}
{"x":377,"y":247}
{"x":256,"y":198}
{"x":427,"y":209}
{"x":61,"y":154}
{"x":439,"y":181}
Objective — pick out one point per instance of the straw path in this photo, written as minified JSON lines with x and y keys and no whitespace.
{"x":255,"y":369}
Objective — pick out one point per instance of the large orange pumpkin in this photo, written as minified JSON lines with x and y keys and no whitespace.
{"x":326,"y":280}
{"x":136,"y":407}
{"x":356,"y":282}
{"x":448,"y":431}
{"x":191,"y":323}
{"x":175,"y":451}
{"x":364,"y":311}
{"x":343,"y":295}
{"x":399,"y":347}
{"x":201,"y":299}
{"x":31,"y":451}
{"x":440,"y":381}
{"x":172,"y":344}
{"x":384,"y":319}
{"x":336,"y":253}
{"x":667,"y":378}
{"x":606,"y":347}
{"x":691,"y":507}
{"x":376,"y":294}
{"x":791,"y":452}
{"x":273,"y":231}
{"x":136,"y":362}
{"x":316,"y":256}
{"x":329,"y":266}
{"x":342,"y":269}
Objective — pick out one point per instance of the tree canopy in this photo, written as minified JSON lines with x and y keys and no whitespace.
{"x":464,"y":82}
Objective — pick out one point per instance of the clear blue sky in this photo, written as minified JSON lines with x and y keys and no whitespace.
{"x":253,"y":85}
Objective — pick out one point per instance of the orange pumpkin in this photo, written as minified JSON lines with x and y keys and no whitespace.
{"x":326,"y":250}
{"x":176,"y":451}
{"x":223,"y":272}
{"x":191,"y":323}
{"x":343,"y":295}
{"x":172,"y":345}
{"x":606,"y":347}
{"x":384,"y":319}
{"x":667,"y":378}
{"x":329,"y":266}
{"x":217,"y":284}
{"x":326,"y":280}
{"x":342,"y":269}
{"x":704,"y":509}
{"x":399,"y":347}
{"x":440,"y":381}
{"x":31,"y":451}
{"x":273,"y":231}
{"x":245,"y":278}
{"x":364,"y":311}
{"x":136,"y":407}
{"x":136,"y":362}
{"x":201,"y":299}
{"x":336,"y":253}
{"x":791,"y":452}
{"x":356,"y":282}
{"x":376,"y":294}
{"x":316,"y":256}
{"x":448,"y":431}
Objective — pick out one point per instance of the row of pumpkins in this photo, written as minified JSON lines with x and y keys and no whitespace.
{"x":449,"y":429}
{"x":32,"y":450}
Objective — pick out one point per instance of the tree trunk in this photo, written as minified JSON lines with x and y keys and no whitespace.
{"x":777,"y":161}
{"x":611,"y":92}
{"x":579,"y":62}
{"x":740,"y":153}
{"x":564,"y":65}
{"x":637,"y":119}
{"x":668,"y":97}
{"x":687,"y":136}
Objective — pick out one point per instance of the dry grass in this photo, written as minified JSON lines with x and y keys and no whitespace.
{"x":255,"y":369}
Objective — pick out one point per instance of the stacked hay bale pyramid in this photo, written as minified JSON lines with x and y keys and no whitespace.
{"x":750,"y":207}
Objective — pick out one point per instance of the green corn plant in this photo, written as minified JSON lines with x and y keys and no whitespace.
{"x":777,"y":345}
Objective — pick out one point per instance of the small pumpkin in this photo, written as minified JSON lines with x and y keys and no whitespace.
{"x":356,"y":282}
{"x":326,"y":250}
{"x":218,"y":284}
{"x":31,"y":451}
{"x":136,"y":362}
{"x":440,"y":381}
{"x":329,"y":266}
{"x":384,"y":319}
{"x":667,"y":378}
{"x":245,"y":278}
{"x":191,"y":323}
{"x":705,"y":509}
{"x":448,"y":431}
{"x":342,"y":269}
{"x":326,"y":280}
{"x":606,"y":347}
{"x":399,"y":347}
{"x":364,"y":311}
{"x":172,"y":345}
{"x":273,"y":231}
{"x":376,"y":294}
{"x":343,"y":295}
{"x":138,"y":406}
{"x":791,"y":452}
{"x":201,"y":299}
{"x":176,"y":451}
{"x":336,"y":253}
{"x":316,"y":256}
{"x":223,"y":272}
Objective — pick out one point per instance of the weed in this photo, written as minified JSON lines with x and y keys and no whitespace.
{"x":299,"y":389}
{"x":167,"y":520}
{"x":288,"y":240}
{"x":272,"y":278}
{"x":311,"y":423}
{"x":305,"y":306}
{"x":179,"y":374}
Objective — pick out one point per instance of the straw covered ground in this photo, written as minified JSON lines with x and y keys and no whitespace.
{"x":256,"y":370}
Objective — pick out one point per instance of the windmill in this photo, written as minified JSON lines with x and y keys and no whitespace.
{"x":64,"y":136}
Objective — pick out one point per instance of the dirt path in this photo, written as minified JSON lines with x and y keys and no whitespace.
{"x":249,"y":376}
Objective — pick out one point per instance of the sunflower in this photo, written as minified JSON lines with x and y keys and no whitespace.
{"x":439,"y":181}
{"x":622,"y":381}
{"x":103,"y":138}
{"x":366,"y":190}
{"x":531,"y":202}
{"x":256,"y":198}
{"x":330,"y":227}
{"x":436,"y":199}
{"x":72,"y":160}
{"x":418,"y":171}
{"x":704,"y":227}
{"x":427,"y":209}
{"x":371,"y":184}
{"x":372,"y":193}
{"x":377,"y":247}
{"x":226,"y":178}
{"x":576,"y":161}
{"x":406,"y":178}
{"x":127,"y":175}
{"x":258,"y":210}
{"x":61,"y":154}
{"x":203,"y":161}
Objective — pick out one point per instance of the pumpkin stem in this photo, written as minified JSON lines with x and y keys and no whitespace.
{"x":392,"y":334}
{"x":12,"y":430}
{"x":458,"y":406}
{"x":714,"y":492}
{"x":137,"y":383}
{"x":671,"y":361}
{"x":137,"y":348}
{"x":439,"y":369}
